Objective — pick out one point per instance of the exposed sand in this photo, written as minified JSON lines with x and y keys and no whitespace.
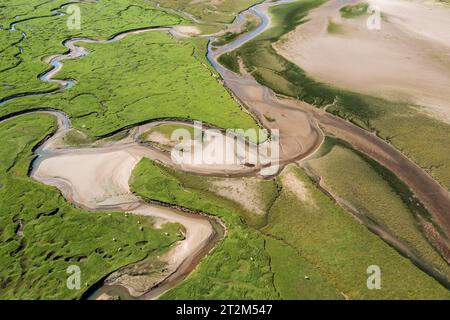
{"x":187,"y":31}
{"x":295,"y":186}
{"x":111,"y":167}
{"x":98,"y":179}
{"x":243,"y":191}
{"x":407,"y":60}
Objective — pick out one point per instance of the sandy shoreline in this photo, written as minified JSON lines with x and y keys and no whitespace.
{"x":407,"y":60}
{"x":97,"y":178}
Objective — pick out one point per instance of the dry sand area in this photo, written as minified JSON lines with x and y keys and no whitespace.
{"x":97,"y":179}
{"x":407,"y":60}
{"x":243,"y":191}
{"x":299,"y":134}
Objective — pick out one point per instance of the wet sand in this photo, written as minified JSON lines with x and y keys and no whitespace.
{"x":407,"y":60}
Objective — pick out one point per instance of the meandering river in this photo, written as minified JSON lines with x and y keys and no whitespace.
{"x":97,"y":178}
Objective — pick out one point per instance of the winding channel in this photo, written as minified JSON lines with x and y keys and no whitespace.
{"x":97,"y":178}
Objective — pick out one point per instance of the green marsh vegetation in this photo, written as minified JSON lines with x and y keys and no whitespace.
{"x":25,"y":9}
{"x":140,"y":78}
{"x":399,"y":123}
{"x":353,"y":11}
{"x":250,"y":24}
{"x":9,"y":54}
{"x":160,"y":135}
{"x":230,"y":61}
{"x":298,"y":249}
{"x":295,"y":277}
{"x":41,"y":235}
{"x":305,"y":247}
{"x":167,"y":130}
{"x":45,"y":34}
{"x":376,"y":194}
{"x":334,"y":27}
{"x":75,"y":138}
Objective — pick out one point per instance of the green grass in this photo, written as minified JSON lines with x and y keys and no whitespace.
{"x":77,"y":139}
{"x":155,"y":182}
{"x":143,"y":77}
{"x":318,"y":240}
{"x":167,"y":130}
{"x":246,"y":264}
{"x":353,"y":11}
{"x":25,"y":9}
{"x":250,"y":24}
{"x":341,"y":249}
{"x":46,"y":33}
{"x":55,"y":234}
{"x":286,"y":17}
{"x":421,"y":138}
{"x":376,"y":194}
{"x":9,"y":57}
{"x":239,"y":267}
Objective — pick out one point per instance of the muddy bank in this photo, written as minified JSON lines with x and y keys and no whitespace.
{"x":407,"y":60}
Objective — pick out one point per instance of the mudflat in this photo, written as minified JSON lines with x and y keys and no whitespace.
{"x":407,"y":59}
